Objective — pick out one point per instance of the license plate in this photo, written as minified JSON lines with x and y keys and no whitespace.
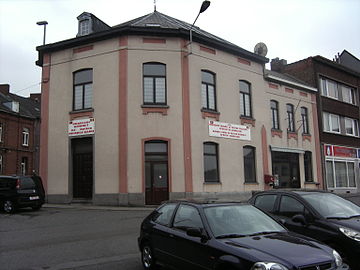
{"x":34,"y":198}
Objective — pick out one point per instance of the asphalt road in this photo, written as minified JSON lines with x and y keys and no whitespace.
{"x":55,"y":238}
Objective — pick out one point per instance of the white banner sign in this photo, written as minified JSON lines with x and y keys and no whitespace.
{"x":229,"y":131}
{"x":81,"y":127}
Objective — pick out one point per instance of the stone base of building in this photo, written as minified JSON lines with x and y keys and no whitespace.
{"x":138,"y":199}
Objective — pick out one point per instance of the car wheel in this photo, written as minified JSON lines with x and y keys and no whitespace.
{"x":147,"y":258}
{"x":8,"y":206}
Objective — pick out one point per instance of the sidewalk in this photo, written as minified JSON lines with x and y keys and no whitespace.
{"x":97,"y":207}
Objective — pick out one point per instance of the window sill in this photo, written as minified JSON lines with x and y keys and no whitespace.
{"x":247,"y":120}
{"x":312,"y":183}
{"x":81,"y":113}
{"x":251,"y":183}
{"x":212,"y":183}
{"x":292,"y":134}
{"x":276,"y":132}
{"x":163,"y":109}
{"x":306,"y":137}
{"x":210,"y":114}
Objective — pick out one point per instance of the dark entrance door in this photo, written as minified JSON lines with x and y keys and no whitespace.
{"x":82,"y":156}
{"x":286,"y":167}
{"x":156,"y":172}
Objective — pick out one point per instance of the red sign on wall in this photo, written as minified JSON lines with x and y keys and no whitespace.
{"x":340,"y":151}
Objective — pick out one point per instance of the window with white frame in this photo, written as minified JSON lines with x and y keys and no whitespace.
{"x":340,"y":174}
{"x":290,"y":117}
{"x":348,"y":94}
{"x":84,"y":27}
{"x":305,"y":120}
{"x":331,"y":122}
{"x":351,"y":127}
{"x":1,"y":132}
{"x":1,"y":164}
{"x":23,"y":165}
{"x":25,"y":136}
{"x":329,"y":88}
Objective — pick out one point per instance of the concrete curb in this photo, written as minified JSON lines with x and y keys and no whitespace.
{"x":97,"y":207}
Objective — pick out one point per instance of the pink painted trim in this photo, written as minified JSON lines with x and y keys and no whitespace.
{"x":123,"y":128}
{"x":208,"y":50}
{"x":306,"y":137}
{"x":289,"y":90}
{"x":186,"y":119}
{"x":75,"y":115}
{"x":143,"y":141}
{"x":210,"y":115}
{"x":292,"y":135}
{"x":265,"y":154}
{"x":154,"y":40}
{"x":83,"y":49}
{"x":247,"y":121}
{"x":244,"y":61}
{"x":276,"y":133}
{"x":274,"y":86}
{"x":163,"y":111}
{"x":303,"y":94}
{"x":44,"y":126}
{"x":317,"y":142}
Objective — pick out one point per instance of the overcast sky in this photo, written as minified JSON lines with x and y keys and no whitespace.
{"x":291,"y":29}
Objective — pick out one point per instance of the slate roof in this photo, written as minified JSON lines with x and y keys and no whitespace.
{"x":154,"y":24}
{"x":28,"y":108}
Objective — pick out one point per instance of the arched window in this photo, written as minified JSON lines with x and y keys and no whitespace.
{"x":249,"y":164}
{"x":154,"y":83}
{"x":83,"y":89}
{"x":245,"y":99}
{"x":208,"y":90}
{"x":274,"y":105}
{"x":211,"y":162}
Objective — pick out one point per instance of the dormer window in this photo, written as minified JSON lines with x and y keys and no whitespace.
{"x":84,"y":27}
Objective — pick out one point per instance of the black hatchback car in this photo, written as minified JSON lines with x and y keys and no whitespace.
{"x":21,"y":191}
{"x":207,"y":235}
{"x":318,"y":214}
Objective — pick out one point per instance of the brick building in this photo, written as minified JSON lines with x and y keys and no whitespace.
{"x":19,"y":133}
{"x":338,"y":110}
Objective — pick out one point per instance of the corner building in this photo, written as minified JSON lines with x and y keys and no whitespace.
{"x":133,"y":114}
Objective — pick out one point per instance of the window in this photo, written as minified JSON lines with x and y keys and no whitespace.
{"x":245,"y":99}
{"x":83,"y":89}
{"x":308,"y":166}
{"x":329,"y":88}
{"x":249,"y":164}
{"x":211,"y":171}
{"x":274,"y":105}
{"x":1,"y":132}
{"x":331,"y":122}
{"x":187,"y":217}
{"x":348,"y":94}
{"x":25,"y":137}
{"x":340,"y":174}
{"x":305,"y":120}
{"x":154,"y":75}
{"x":84,"y":27}
{"x":266,"y":202}
{"x":290,"y":117}
{"x":351,"y":127}
{"x":208,"y":91}
{"x":24,"y":165}
{"x":164,"y":214}
{"x":290,"y":207}
{"x":1,"y":164}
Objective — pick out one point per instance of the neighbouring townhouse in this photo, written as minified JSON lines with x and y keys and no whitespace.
{"x":19,"y":133}
{"x":338,"y":110}
{"x":136,"y":114}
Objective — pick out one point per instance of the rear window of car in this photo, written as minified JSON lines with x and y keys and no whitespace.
{"x":164,"y":214}
{"x":266,"y":202}
{"x":26,"y":183}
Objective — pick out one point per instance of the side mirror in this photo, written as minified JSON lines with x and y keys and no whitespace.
{"x":196,"y":232}
{"x":299,"y":219}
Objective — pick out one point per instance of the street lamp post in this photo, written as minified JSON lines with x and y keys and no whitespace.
{"x":204,"y":6}
{"x":44,"y":23}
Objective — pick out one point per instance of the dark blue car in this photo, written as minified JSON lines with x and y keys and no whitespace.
{"x":208,"y":235}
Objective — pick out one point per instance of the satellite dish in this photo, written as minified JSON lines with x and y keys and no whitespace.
{"x":261,"y":49}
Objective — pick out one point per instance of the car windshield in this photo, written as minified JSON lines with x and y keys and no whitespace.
{"x":236,"y":220}
{"x":332,"y":206}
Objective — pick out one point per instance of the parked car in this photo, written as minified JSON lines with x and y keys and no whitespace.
{"x":21,"y":191}
{"x":318,"y":214}
{"x":214,"y":235}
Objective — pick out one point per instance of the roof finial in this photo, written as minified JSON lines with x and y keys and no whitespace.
{"x":154,"y":5}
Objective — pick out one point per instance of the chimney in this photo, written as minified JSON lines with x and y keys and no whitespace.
{"x":277,"y":64}
{"x":4,"y":89}
{"x":35,"y":97}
